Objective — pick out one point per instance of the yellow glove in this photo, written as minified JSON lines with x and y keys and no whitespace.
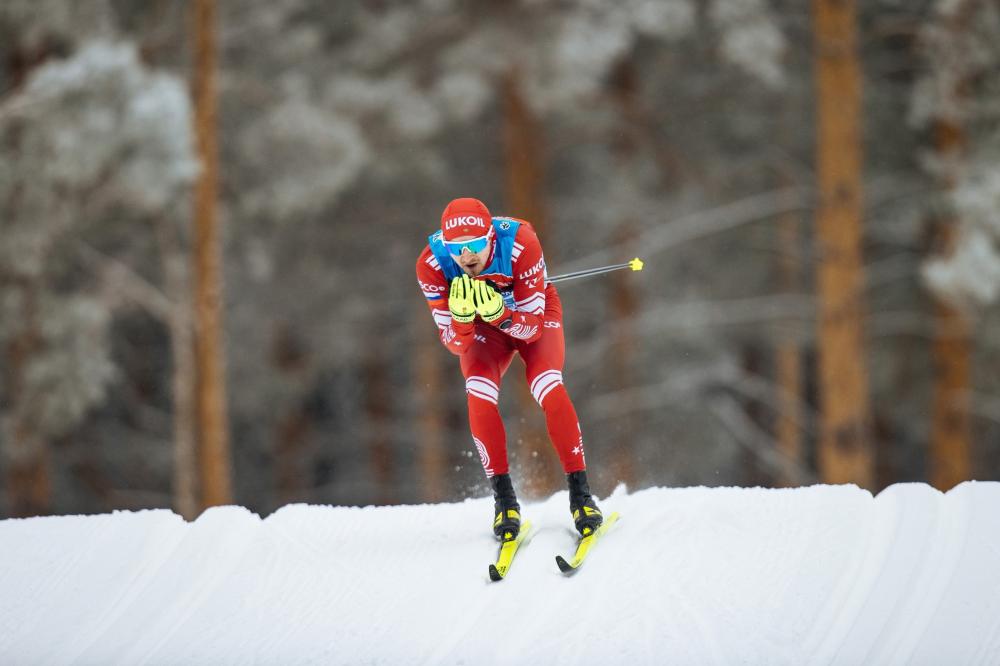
{"x":489,"y":302}
{"x":460,"y":300}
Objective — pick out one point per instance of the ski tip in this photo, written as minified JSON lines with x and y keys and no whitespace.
{"x":564,"y":566}
{"x":495,"y":574}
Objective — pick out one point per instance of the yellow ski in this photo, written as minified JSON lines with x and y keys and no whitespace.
{"x":584,"y":545}
{"x":508,"y":548}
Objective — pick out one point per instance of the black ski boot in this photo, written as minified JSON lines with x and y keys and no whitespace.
{"x":586,"y":515}
{"x":507,"y":523}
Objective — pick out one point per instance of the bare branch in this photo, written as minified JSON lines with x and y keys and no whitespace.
{"x":758,"y":442}
{"x":679,"y":387}
{"x":122,"y":283}
{"x":706,"y":223}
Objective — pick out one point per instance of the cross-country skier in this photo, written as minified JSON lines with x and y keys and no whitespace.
{"x":485,"y":281}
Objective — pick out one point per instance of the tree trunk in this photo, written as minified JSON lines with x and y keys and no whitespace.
{"x":213,"y":440}
{"x":950,"y":446}
{"x":622,"y":362}
{"x":845,"y":449}
{"x":378,"y":423}
{"x":788,"y":362}
{"x":26,"y":452}
{"x":182,"y":383}
{"x":430,"y":418}
{"x":950,"y":462}
{"x":290,"y":466}
{"x":290,"y":359}
{"x":754,"y":362}
{"x":525,"y":186}
{"x":624,"y":303}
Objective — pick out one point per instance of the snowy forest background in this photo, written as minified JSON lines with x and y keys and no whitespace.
{"x":814,"y":187}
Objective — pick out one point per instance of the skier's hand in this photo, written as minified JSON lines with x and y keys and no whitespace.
{"x":460,"y":299}
{"x":489,"y":302}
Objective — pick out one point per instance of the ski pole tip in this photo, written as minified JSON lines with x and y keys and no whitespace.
{"x":635,"y":264}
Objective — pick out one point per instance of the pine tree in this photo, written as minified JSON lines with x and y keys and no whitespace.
{"x":845,"y":454}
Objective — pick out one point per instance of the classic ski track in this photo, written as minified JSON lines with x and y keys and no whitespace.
{"x":693,"y":576}
{"x":197,"y":591}
{"x":58,"y":577}
{"x":289,"y":550}
{"x":480,"y":614}
{"x":690,"y":609}
{"x":938,"y":566}
{"x":663,"y":571}
{"x":477,"y":616}
{"x":556,"y":600}
{"x":14,"y":624}
{"x":850,"y":592}
{"x":127,"y":596}
{"x":988,"y":651}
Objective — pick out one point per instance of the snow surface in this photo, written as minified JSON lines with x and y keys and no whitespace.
{"x":819,"y":575}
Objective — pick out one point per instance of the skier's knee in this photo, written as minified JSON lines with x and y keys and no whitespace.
{"x":482,"y":388}
{"x":545,"y":383}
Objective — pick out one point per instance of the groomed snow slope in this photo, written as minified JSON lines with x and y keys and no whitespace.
{"x":820,"y":575}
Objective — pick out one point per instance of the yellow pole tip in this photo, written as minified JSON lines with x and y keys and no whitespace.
{"x":636,"y":264}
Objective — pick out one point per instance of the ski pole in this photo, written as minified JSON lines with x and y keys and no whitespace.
{"x":635,"y":265}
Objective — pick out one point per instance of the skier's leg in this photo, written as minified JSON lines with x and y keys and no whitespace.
{"x":483,"y":366}
{"x":543,"y":361}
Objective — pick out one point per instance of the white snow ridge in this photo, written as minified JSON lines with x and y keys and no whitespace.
{"x":820,"y":575}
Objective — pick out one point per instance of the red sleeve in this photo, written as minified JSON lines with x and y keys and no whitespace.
{"x":529,"y":287}
{"x":456,"y":336}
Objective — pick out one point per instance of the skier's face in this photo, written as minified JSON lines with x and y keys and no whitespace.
{"x":472,"y":263}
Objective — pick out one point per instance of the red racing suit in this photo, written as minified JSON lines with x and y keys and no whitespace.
{"x":532,"y":327}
